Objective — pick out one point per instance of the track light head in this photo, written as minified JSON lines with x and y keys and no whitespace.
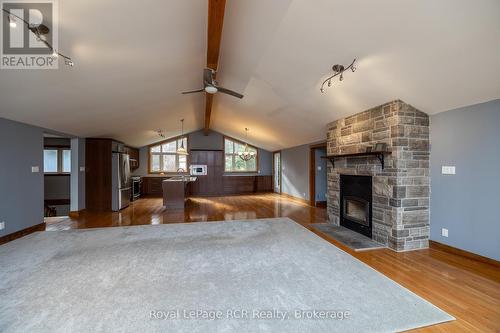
{"x":12,"y":21}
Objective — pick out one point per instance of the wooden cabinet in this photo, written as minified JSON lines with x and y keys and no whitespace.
{"x":153,"y":185}
{"x":264,"y":184}
{"x":134,"y":157}
{"x":211,"y":184}
{"x":98,"y":153}
{"x":247,"y":184}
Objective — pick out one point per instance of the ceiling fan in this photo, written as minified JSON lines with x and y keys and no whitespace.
{"x":211,"y":86}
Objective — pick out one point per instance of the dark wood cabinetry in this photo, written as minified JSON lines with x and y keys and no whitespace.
{"x":247,"y":184}
{"x":98,"y":163}
{"x":211,"y":184}
{"x":216,"y":183}
{"x":98,"y":154}
{"x":134,"y":157}
{"x":264,"y":183}
{"x":152,"y":186}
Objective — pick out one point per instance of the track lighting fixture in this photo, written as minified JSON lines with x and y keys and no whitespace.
{"x":338,"y":70}
{"x":160,"y":133}
{"x":40,"y":31}
{"x":12,"y":21}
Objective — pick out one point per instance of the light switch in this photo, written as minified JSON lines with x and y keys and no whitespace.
{"x":35,"y":169}
{"x":448,"y":170}
{"x":319,"y":168}
{"x":82,"y":169}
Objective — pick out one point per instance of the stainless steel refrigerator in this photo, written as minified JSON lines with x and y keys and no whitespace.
{"x":121,"y":182}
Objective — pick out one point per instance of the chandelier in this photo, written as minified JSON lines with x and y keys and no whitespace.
{"x":40,"y":31}
{"x":246,"y":155}
{"x":337,"y":70}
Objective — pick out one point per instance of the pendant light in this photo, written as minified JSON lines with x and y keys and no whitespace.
{"x":182,"y":150}
{"x":246,"y":155}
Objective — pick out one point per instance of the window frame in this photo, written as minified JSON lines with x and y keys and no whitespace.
{"x":60,"y":152}
{"x":235,"y":155}
{"x":161,"y":154}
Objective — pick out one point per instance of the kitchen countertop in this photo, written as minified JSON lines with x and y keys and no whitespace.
{"x":181,"y":179}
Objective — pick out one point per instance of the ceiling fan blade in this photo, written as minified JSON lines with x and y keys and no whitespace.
{"x":193,"y":91}
{"x":229,"y":92}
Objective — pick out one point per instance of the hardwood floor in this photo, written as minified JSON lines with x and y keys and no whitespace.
{"x":467,"y":289}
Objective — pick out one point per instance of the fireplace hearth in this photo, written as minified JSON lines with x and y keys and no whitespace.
{"x":356,"y":208}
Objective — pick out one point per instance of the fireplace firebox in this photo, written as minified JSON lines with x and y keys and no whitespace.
{"x":356,"y":203}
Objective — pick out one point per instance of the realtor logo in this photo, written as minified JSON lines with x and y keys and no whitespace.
{"x":29,"y":35}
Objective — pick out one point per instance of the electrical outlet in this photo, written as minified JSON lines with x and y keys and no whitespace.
{"x":35,"y":169}
{"x":448,"y":170}
{"x":319,"y":168}
{"x":82,"y":169}
{"x":2,"y":225}
{"x":444,"y":232}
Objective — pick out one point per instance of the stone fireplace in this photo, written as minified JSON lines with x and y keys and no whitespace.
{"x":395,"y":210}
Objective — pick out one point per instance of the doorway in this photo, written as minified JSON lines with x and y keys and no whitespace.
{"x":318,"y":175}
{"x":57,"y":175}
{"x":277,"y":172}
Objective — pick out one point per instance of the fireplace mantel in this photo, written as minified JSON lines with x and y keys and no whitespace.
{"x":378,"y":154}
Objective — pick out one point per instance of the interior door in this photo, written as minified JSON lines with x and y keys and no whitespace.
{"x":277,"y":172}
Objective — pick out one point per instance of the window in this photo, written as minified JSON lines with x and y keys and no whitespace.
{"x":163,"y":157}
{"x":233,"y":162}
{"x":56,"y":160}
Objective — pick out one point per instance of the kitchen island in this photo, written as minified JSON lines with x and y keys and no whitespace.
{"x":176,"y":191}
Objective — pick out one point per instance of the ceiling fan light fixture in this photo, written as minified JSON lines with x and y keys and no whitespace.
{"x":211,"y":89}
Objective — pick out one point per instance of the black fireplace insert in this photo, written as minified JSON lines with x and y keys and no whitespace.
{"x":356,"y":203}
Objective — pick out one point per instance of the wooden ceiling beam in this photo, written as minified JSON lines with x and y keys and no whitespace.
{"x":209,"y":99}
{"x":216,"y":10}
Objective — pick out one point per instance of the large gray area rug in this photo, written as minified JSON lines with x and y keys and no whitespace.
{"x":129,"y":279}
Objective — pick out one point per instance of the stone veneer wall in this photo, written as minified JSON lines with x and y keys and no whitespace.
{"x":401,"y":192}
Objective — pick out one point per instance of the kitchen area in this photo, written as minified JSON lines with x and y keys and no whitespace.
{"x":117,"y":175}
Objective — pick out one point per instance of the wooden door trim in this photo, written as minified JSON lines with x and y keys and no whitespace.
{"x":281,"y":179}
{"x":312,"y":171}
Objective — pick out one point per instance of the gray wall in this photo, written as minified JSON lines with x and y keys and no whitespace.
{"x":295,"y":171}
{"x":21,"y":191}
{"x":214,"y":141}
{"x":467,"y":203}
{"x":320,"y":178}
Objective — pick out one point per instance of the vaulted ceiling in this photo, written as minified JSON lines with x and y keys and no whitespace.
{"x":132,"y":62}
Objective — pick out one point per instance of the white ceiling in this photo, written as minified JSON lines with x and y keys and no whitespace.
{"x":132,"y":62}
